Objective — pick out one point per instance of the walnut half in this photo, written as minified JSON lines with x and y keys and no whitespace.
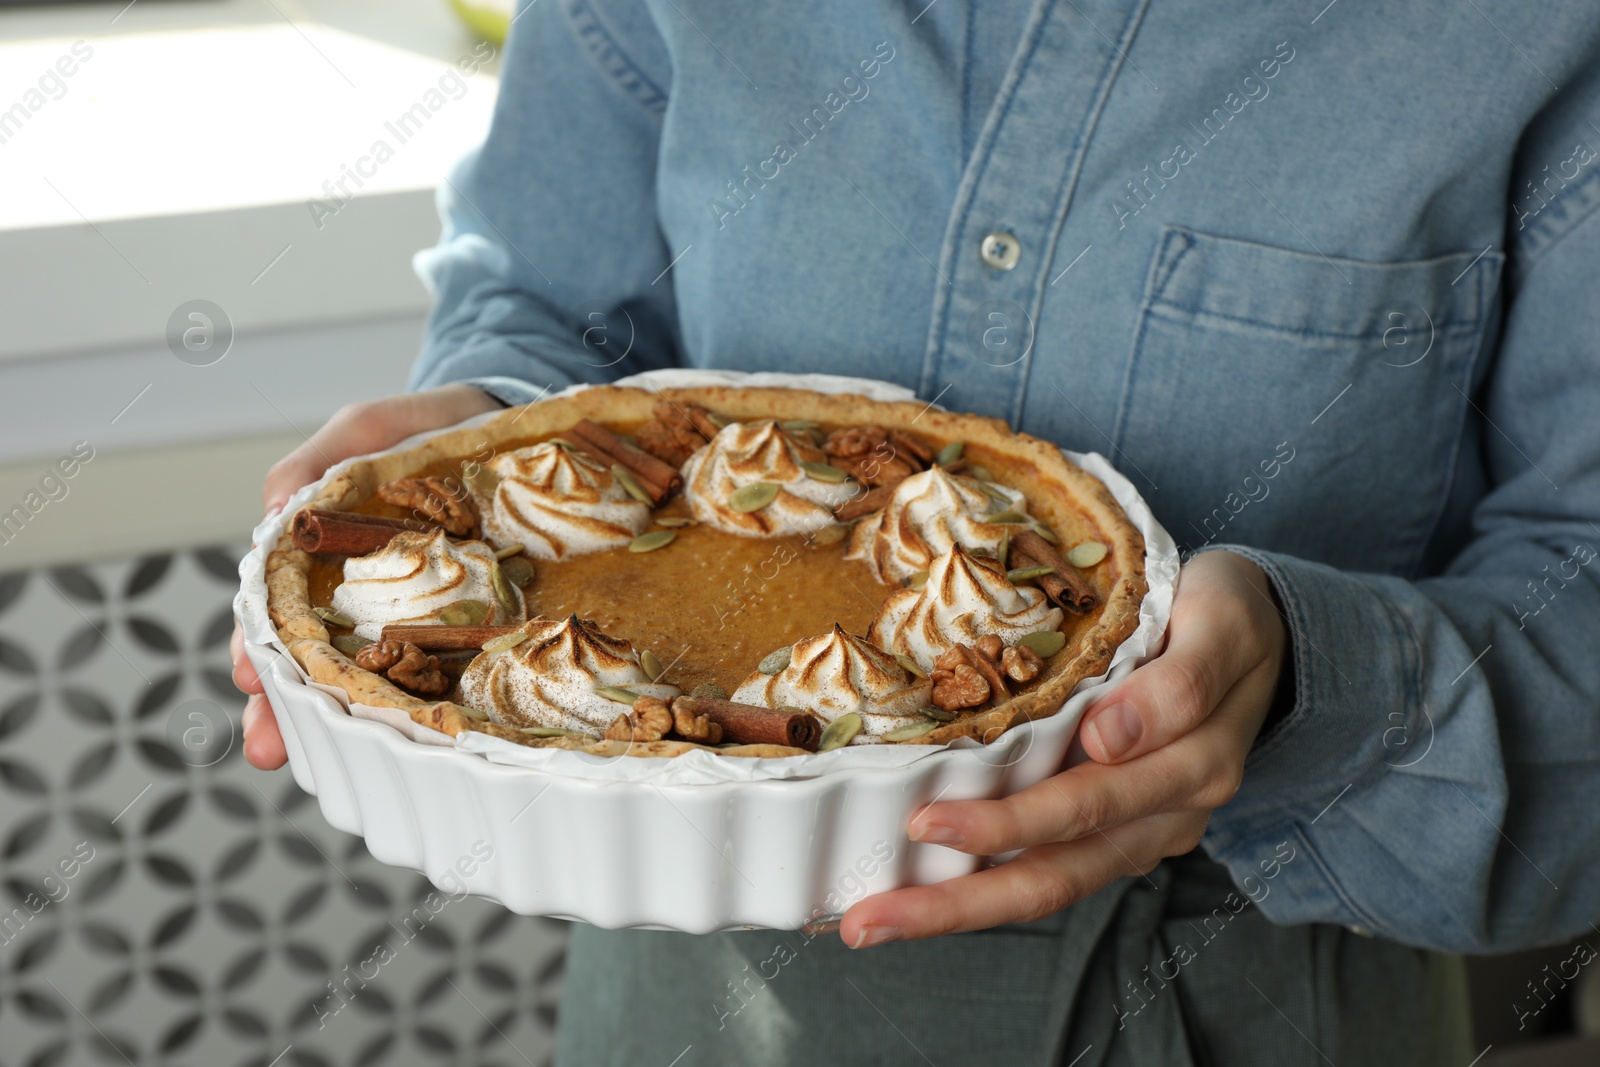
{"x":1020,"y":663}
{"x":438,"y":500}
{"x":676,"y":432}
{"x":959,"y":687}
{"x":405,"y":665}
{"x":650,"y":720}
{"x":694,"y":727}
{"x":877,"y":456}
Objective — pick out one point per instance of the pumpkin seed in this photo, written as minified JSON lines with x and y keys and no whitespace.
{"x":776,"y":661}
{"x":709,"y":691}
{"x":937,"y":714}
{"x":651,"y":666}
{"x":1023,"y":574}
{"x":840,"y":732}
{"x":653,"y":540}
{"x":917,"y":580}
{"x":673,"y":522}
{"x":718,"y":419}
{"x":911,"y":732}
{"x":1086,"y":554}
{"x":507,"y":552}
{"x":824,"y":472}
{"x":518,"y":571}
{"x":505,"y":642}
{"x":464,"y":613}
{"x":617,"y":693}
{"x":473,"y":713}
{"x":911,"y":666}
{"x":1045,"y":532}
{"x":562,"y":443}
{"x":753,"y":497}
{"x":549,"y":731}
{"x":992,"y":491}
{"x":980,"y":473}
{"x":831,"y":534}
{"x":1004,"y":548}
{"x":629,"y":483}
{"x":503,"y":592}
{"x":349,"y":644}
{"x":800,"y":424}
{"x":1008,"y":516}
{"x":950,"y":453}
{"x":334,"y":618}
{"x":1044,"y":644}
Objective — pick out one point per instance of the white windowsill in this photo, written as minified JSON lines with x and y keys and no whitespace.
{"x":176,"y":163}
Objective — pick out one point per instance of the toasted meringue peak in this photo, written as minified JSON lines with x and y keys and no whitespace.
{"x":839,"y":673}
{"x":550,"y":678}
{"x":412,"y":577}
{"x":965,"y":598}
{"x":556,"y":502}
{"x":745,"y":453}
{"x":928,"y":514}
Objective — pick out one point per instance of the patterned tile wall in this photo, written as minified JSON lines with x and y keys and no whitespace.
{"x":165,"y":903}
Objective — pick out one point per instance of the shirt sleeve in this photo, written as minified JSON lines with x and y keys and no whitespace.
{"x":1436,"y":777}
{"x":552,"y":268}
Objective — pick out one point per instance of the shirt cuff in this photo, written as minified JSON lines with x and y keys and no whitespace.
{"x":511,"y":392}
{"x":1356,"y":682}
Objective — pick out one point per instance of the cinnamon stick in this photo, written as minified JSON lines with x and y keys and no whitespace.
{"x":659,"y":480}
{"x":346,"y":533}
{"x":751,"y":725}
{"x":438,"y":638}
{"x":1065,"y":586}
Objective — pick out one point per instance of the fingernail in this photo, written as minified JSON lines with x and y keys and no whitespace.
{"x":273,"y":509}
{"x":1116,"y":730}
{"x":934,"y":834}
{"x":876,"y":935}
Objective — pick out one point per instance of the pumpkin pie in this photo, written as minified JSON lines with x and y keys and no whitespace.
{"x":745,"y":571}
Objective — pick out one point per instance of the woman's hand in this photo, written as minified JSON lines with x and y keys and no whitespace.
{"x":1165,"y":748}
{"x":354,"y":429}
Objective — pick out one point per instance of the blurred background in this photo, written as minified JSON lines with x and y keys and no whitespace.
{"x":207,"y":216}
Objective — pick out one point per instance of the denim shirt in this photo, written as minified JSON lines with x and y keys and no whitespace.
{"x":1323,"y":285}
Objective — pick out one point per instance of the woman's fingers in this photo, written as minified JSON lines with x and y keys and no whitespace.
{"x":1040,"y":882}
{"x":369,"y":427}
{"x":354,"y":429}
{"x":1083,"y":801}
{"x":244,"y":672}
{"x":1225,"y":625}
{"x":263,"y":744}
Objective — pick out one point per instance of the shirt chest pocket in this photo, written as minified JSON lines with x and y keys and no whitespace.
{"x":1302,"y":403}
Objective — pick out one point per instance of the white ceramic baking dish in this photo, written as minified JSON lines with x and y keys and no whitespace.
{"x":669,"y":844}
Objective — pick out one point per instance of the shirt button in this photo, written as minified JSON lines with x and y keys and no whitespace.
{"x":1000,"y":250}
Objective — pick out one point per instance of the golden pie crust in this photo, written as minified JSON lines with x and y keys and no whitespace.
{"x":1058,"y":493}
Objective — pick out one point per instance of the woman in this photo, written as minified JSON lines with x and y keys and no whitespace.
{"x":1320,"y":283}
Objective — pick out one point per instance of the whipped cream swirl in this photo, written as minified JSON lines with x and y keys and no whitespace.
{"x":550,"y":678}
{"x":965,"y":598}
{"x":412,"y":577}
{"x":929,"y":513}
{"x":745,"y":453}
{"x":558,"y":503}
{"x":839,"y":673}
